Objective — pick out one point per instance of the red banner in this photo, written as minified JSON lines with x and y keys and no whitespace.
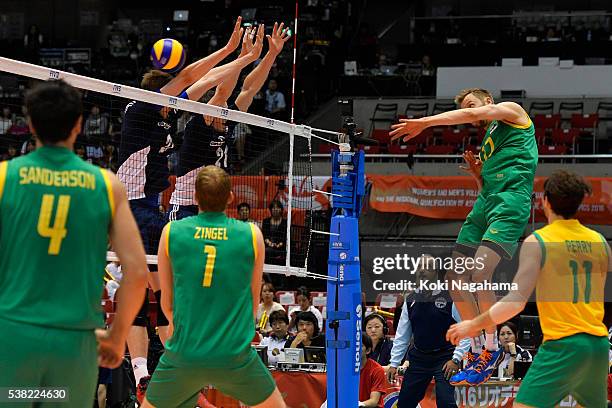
{"x":453,"y":197}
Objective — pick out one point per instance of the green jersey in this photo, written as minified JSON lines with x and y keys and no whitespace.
{"x":509,"y":153}
{"x":212,"y":258}
{"x":55,"y":213}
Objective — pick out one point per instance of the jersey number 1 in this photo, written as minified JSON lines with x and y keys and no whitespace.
{"x":588,"y":266}
{"x":58,"y":232}
{"x":211,"y":254}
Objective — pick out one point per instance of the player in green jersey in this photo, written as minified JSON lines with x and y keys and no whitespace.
{"x":504,"y":172}
{"x":57,"y":213}
{"x":210,"y":268}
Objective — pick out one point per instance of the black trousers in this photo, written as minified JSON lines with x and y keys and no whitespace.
{"x":423,"y":367}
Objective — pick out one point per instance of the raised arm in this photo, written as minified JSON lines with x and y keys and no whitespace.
{"x":219,"y":74}
{"x":255,"y":80}
{"x":193,"y":72}
{"x":505,"y":111}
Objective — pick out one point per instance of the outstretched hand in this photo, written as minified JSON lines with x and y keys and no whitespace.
{"x":408,"y":128}
{"x":258,"y":44}
{"x":279,"y":37}
{"x":234,"y":40}
{"x":474,"y":165}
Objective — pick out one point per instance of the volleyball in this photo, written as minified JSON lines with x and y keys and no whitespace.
{"x":168,"y":55}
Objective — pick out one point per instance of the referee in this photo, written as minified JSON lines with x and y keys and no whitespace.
{"x":425,"y":318}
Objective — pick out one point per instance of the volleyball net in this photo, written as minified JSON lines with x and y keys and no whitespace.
{"x":158,"y":156}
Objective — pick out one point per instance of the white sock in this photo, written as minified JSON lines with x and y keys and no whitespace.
{"x":476,"y":343}
{"x":139,"y":365}
{"x":491,"y":342}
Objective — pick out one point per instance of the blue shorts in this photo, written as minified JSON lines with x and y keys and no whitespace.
{"x":150,"y":222}
{"x":178,"y":212}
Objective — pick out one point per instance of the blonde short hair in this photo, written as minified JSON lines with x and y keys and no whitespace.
{"x":477,"y":92}
{"x":212,"y":189}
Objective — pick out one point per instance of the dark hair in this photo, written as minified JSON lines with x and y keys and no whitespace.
{"x":243,"y":205}
{"x":309,"y":317}
{"x":53,"y":108}
{"x":275,"y":203}
{"x":378,"y":317}
{"x":213,"y":188}
{"x":565,"y":191}
{"x":366,"y":341}
{"x":278,"y":315}
{"x":303,"y":290}
{"x":155,"y":80}
{"x":511,"y":326}
{"x":270,"y":286}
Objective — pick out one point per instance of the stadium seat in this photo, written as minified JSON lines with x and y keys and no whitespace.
{"x":385,"y":113}
{"x":541,"y":107}
{"x":440,"y":149}
{"x":402,"y":149}
{"x":454,"y":136}
{"x":565,"y":136}
{"x":471,"y":148}
{"x":326,"y":148}
{"x":371,"y":149}
{"x":604,"y":111}
{"x":441,"y":107}
{"x":547,"y":121}
{"x":318,"y":299}
{"x":286,"y":297}
{"x":382,"y":135}
{"x":545,"y":150}
{"x":416,"y":110}
{"x":540,"y":135}
{"x":389,"y":301}
{"x":568,"y":109}
{"x":588,"y":121}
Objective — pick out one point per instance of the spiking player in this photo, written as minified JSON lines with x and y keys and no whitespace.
{"x":207,"y":140}
{"x":504,"y":173}
{"x":213,"y":263}
{"x":567,"y":264}
{"x":146,"y":142}
{"x":57,"y":213}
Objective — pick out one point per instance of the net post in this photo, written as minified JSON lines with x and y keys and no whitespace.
{"x":344,"y":306}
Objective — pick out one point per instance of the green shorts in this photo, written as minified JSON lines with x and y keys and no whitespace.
{"x":576,"y":365}
{"x":498,"y":218}
{"x":173,"y":386}
{"x":39,"y":356}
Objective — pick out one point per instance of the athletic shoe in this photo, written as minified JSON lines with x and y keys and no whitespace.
{"x":461,"y":377}
{"x":485,"y":367}
{"x":141,"y":388}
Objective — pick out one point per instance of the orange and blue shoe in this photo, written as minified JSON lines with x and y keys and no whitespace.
{"x":141,"y":388}
{"x":485,"y":367}
{"x":461,"y":377}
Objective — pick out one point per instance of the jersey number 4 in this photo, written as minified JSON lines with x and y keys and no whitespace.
{"x":211,"y":255}
{"x":58,"y":232}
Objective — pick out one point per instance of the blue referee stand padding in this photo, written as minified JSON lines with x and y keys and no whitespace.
{"x":344,"y":310}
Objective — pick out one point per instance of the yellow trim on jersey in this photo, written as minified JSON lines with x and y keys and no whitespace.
{"x":516,"y":125}
{"x":167,"y":238}
{"x":109,"y":191}
{"x":254,"y":236}
{"x":3,"y":167}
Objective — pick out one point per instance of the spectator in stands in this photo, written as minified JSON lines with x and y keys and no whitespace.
{"x":6,"y":120}
{"x":308,"y":332}
{"x":19,"y":127}
{"x":244,"y":213}
{"x":427,"y":81}
{"x":94,"y":152}
{"x":425,"y":317}
{"x":32,"y":42}
{"x":11,"y":153}
{"x":274,"y":230}
{"x":79,"y":150}
{"x":279,"y":336}
{"x":376,"y":327}
{"x":28,"y":146}
{"x":96,"y":125}
{"x":265,"y":309}
{"x":372,"y":382}
{"x":275,"y":100}
{"x":304,"y":305}
{"x":512,"y":351}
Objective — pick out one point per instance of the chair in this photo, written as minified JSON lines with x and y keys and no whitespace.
{"x":371,"y":149}
{"x":389,"y":301}
{"x":319,"y":299}
{"x":604,"y":111}
{"x":383,"y":112}
{"x":547,"y":121}
{"x":286,"y":297}
{"x":440,"y":149}
{"x":541,"y":107}
{"x":546,"y":150}
{"x":382,"y":135}
{"x":587,"y":125}
{"x":540,"y":135}
{"x":565,"y":137}
{"x":441,"y":107}
{"x":402,"y":149}
{"x":326,"y":148}
{"x":416,"y":110}
{"x":567,"y":109}
{"x":454,"y":136}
